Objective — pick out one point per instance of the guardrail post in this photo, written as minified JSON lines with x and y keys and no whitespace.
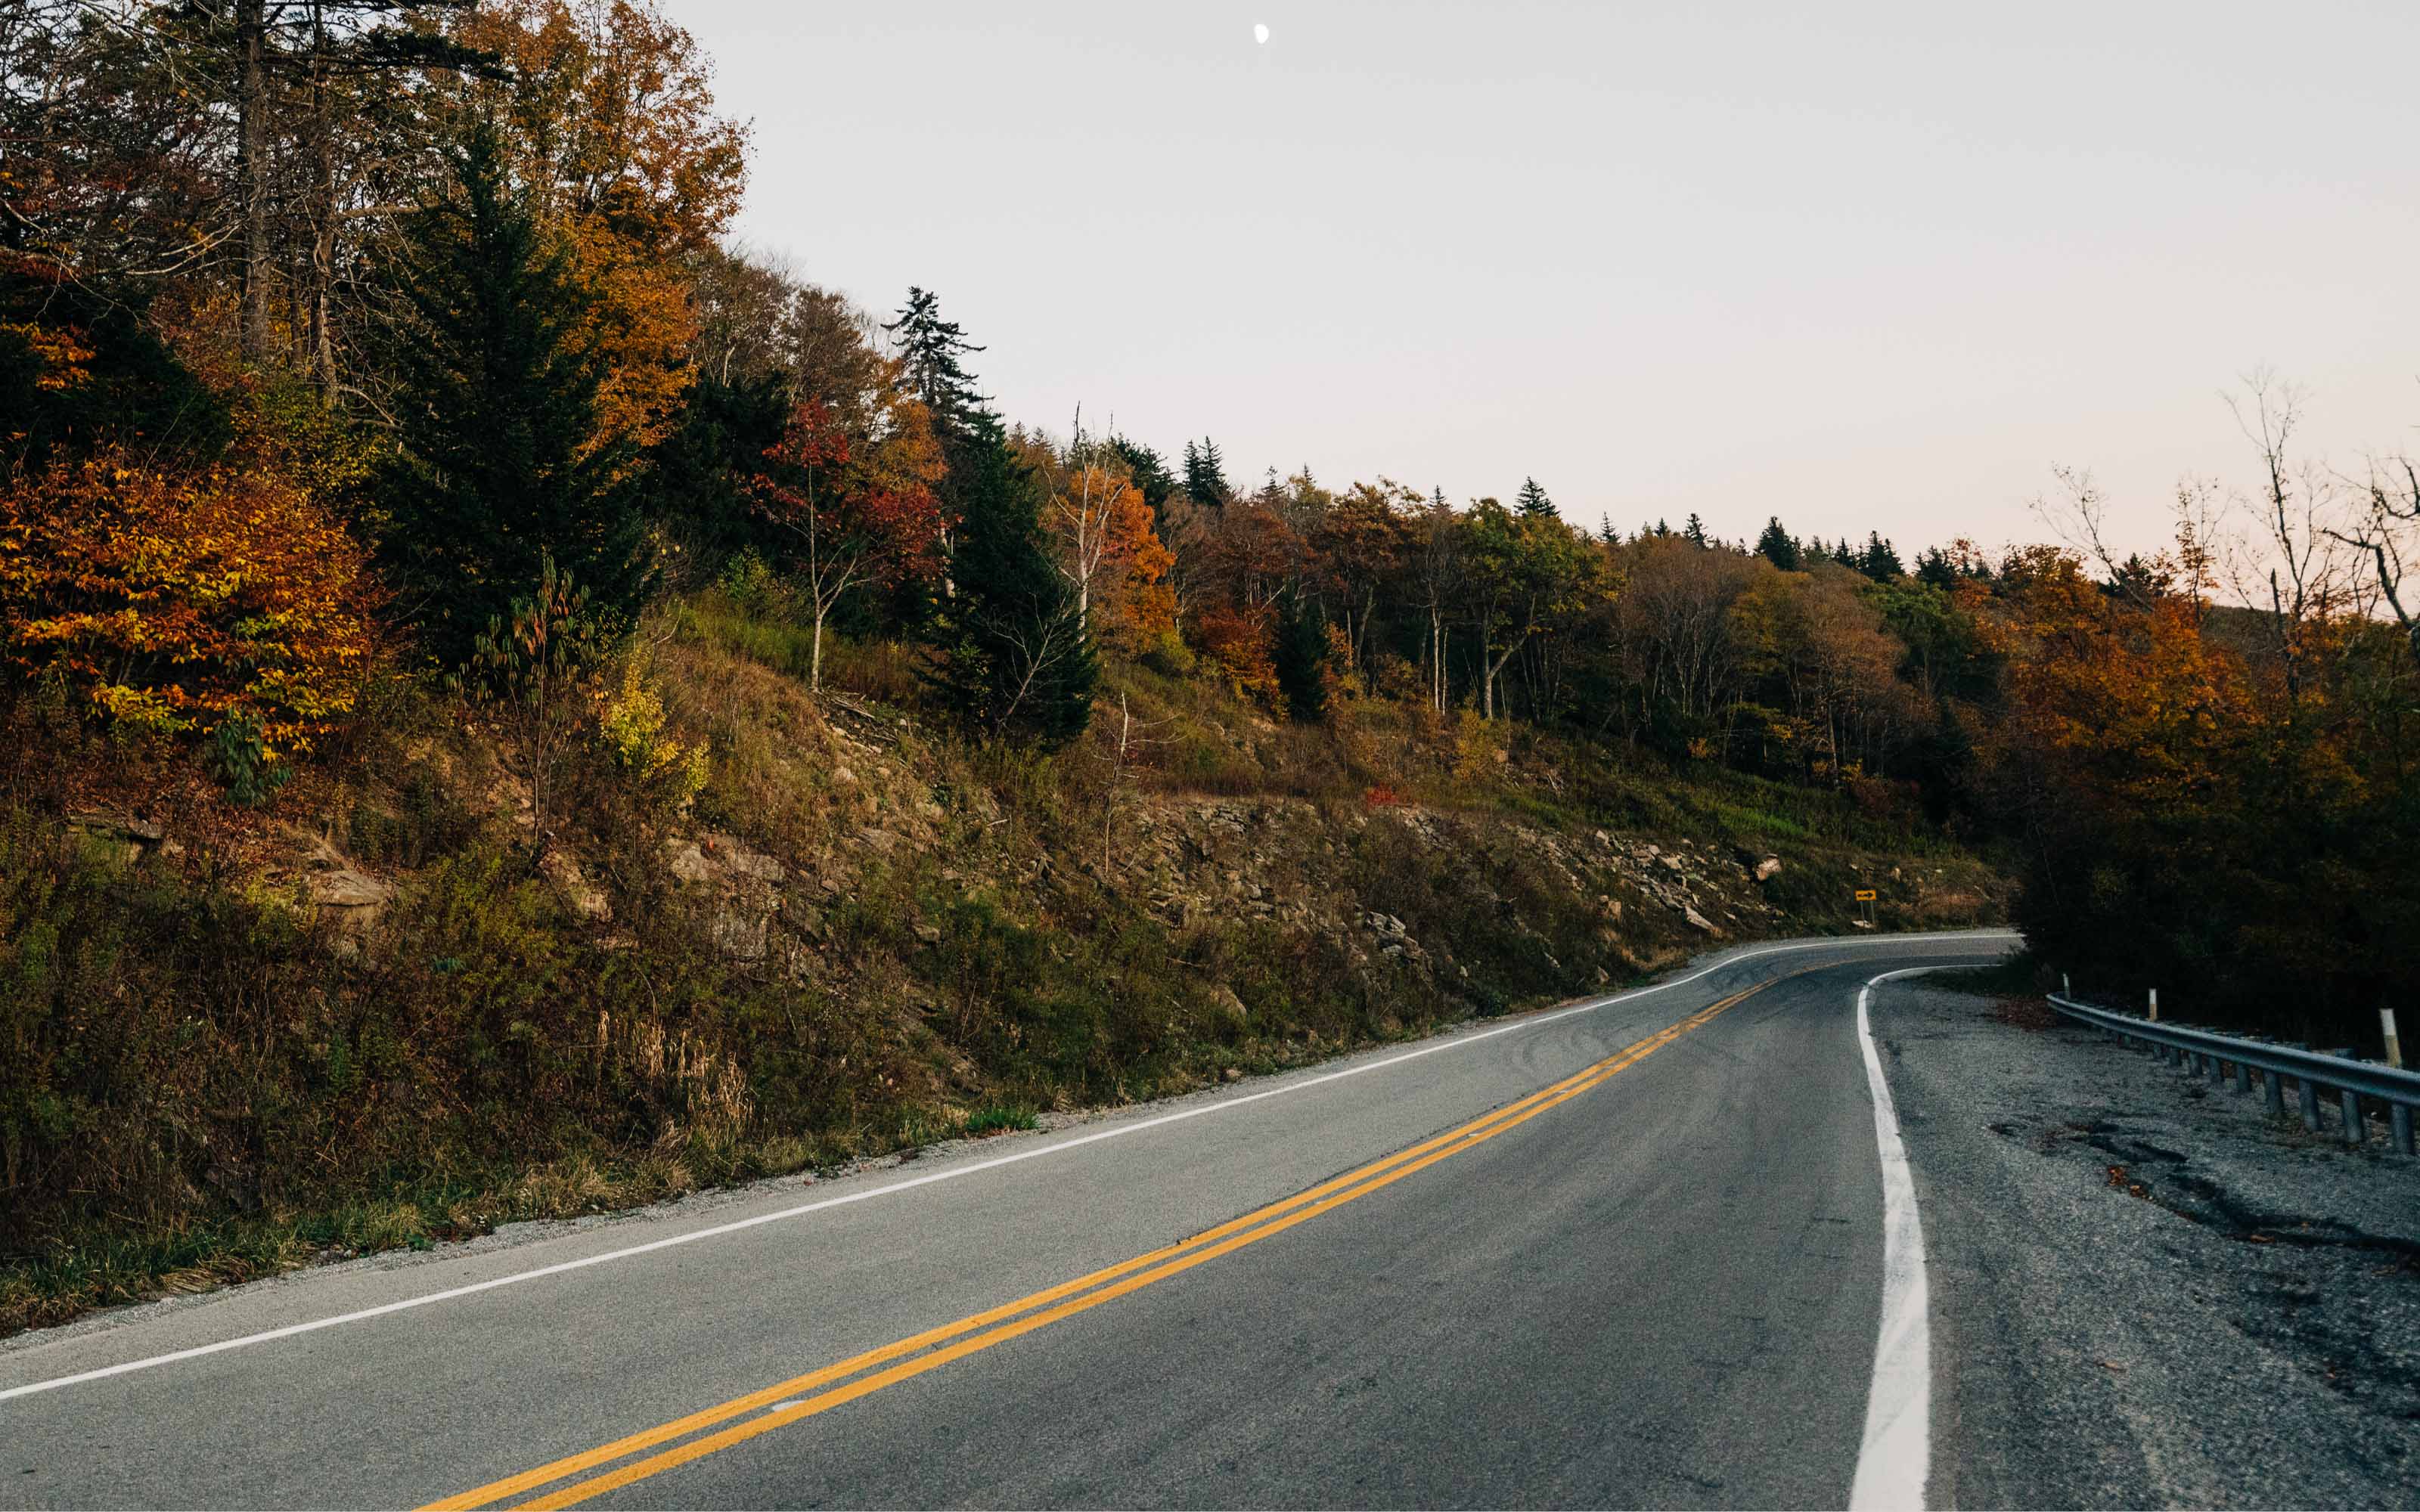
{"x":2348,"y":1102}
{"x":2310,"y":1098}
{"x":2399,"y":1117}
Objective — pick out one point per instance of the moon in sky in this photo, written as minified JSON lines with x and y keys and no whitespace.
{"x":1261,"y":32}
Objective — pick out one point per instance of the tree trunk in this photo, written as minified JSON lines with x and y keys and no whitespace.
{"x":252,"y":171}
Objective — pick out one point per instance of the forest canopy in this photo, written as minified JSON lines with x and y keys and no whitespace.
{"x":333,"y":331}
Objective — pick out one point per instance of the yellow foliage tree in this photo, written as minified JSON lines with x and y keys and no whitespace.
{"x":174,"y":602}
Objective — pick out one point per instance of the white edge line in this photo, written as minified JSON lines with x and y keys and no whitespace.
{"x":1895,"y":1458}
{"x":953,"y":1173}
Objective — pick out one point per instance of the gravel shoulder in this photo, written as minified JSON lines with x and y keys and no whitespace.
{"x":2145,"y":1292}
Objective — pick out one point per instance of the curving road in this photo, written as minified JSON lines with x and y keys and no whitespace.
{"x":1630,"y":1252}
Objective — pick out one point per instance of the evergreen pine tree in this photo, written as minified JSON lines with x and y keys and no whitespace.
{"x":1695,"y":530}
{"x":1662,"y":530}
{"x":1301,"y":657}
{"x":1845,"y":554}
{"x":1532,"y":500}
{"x":696,"y":477}
{"x":1934,"y":566}
{"x":498,"y":459}
{"x":1010,"y":653}
{"x":1777,"y":546}
{"x":931,"y":346}
{"x":1205,"y":474}
{"x":1605,"y":533}
{"x":1879,"y":559}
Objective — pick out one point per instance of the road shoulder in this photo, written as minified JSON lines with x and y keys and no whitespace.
{"x":2143,"y":1291}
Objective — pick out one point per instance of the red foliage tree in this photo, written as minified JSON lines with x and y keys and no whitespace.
{"x":851,"y":519}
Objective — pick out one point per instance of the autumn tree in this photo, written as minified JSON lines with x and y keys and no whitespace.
{"x":1522,"y":573}
{"x":1097,"y":518}
{"x":605,"y":115}
{"x":846,"y":523}
{"x":502,"y":456}
{"x":172,"y":601}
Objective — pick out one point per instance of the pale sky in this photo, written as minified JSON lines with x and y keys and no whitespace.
{"x":1863,"y":266}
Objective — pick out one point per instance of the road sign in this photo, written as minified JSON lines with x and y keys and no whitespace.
{"x":1865,"y":895}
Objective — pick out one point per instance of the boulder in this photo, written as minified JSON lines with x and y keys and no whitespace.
{"x":1768,"y":869}
{"x":1701,"y":923}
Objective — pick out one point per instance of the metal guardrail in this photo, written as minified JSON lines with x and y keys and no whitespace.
{"x":2316,"y":1073}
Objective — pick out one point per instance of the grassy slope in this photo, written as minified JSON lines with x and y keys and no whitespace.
{"x":874,"y":936}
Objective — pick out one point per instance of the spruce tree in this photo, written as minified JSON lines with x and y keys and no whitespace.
{"x":1301,"y":657}
{"x":1695,"y":530}
{"x":1846,"y":555}
{"x":931,"y":346}
{"x":1010,"y":653}
{"x":1148,"y":469}
{"x":1934,"y":566}
{"x":498,"y":461}
{"x":1879,"y":559}
{"x":1533,"y":500}
{"x":1777,"y":546}
{"x":1205,"y":474}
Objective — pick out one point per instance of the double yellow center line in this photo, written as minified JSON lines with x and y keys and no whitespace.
{"x":820,"y":1391}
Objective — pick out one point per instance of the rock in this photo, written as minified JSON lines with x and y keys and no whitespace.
{"x":739,"y":860}
{"x":929,"y":933}
{"x":344,"y":888}
{"x":1768,"y":869}
{"x":687,"y":862}
{"x":1232,"y":1073}
{"x":880,"y":841}
{"x":1674,"y":863}
{"x":843,"y":778}
{"x":1223,"y":999}
{"x":586,"y":900}
{"x":1700,"y":922}
{"x":113,"y":823}
{"x":1610,"y":907}
{"x":739,"y":936}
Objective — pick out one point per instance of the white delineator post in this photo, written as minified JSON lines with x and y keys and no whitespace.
{"x":2387,"y":1030}
{"x":2155,"y":1005}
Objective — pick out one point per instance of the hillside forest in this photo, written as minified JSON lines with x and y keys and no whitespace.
{"x":390,"y":423}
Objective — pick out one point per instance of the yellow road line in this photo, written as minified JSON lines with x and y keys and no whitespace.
{"x":1127,"y":1277}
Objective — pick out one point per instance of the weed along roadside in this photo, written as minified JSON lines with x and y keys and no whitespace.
{"x":370,"y":1025}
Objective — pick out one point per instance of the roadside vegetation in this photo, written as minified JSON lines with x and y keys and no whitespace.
{"x":512,"y":706}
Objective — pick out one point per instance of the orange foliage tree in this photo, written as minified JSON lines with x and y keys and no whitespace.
{"x":610,"y":117}
{"x":172,"y":603}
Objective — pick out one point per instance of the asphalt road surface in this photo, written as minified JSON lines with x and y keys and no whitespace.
{"x":1631,"y":1253}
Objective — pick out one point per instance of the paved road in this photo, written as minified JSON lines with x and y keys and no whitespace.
{"x":1631,"y":1254}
